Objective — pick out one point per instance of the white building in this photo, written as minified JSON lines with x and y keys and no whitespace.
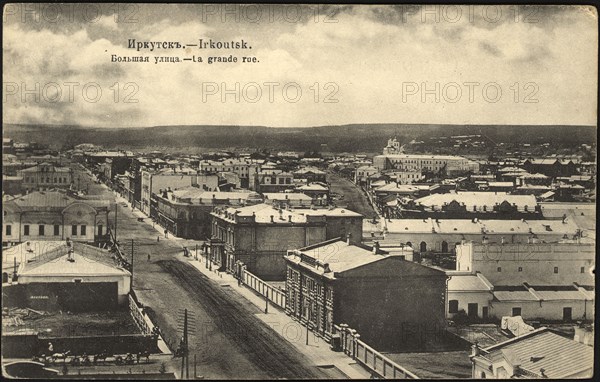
{"x":152,"y":182}
{"x":534,"y":263}
{"x":443,"y":234}
{"x":74,"y":277}
{"x":422,"y":162}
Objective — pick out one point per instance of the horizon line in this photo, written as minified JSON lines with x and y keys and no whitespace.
{"x":293,"y":127}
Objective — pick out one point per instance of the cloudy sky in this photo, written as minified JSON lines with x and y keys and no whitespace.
{"x":325,"y":65}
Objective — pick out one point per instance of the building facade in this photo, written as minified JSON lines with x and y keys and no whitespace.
{"x":535,"y":263}
{"x":153,"y":183}
{"x":45,"y":177}
{"x":260,"y":235}
{"x":379,"y":296}
{"x":186,"y":212}
{"x":53,"y":215}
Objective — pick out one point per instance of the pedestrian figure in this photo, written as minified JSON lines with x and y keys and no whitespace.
{"x":166,"y":233}
{"x":158,"y":238}
{"x":148,"y":257}
{"x":50,"y":348}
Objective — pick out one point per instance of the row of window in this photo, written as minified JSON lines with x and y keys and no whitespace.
{"x":311,"y":285}
{"x":520,"y":269}
{"x":48,"y":180}
{"x":515,"y":311}
{"x":42,"y":230}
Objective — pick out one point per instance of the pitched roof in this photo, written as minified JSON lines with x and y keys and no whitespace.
{"x":340,"y":256}
{"x":471,"y":199}
{"x":286,"y":196}
{"x":560,"y":357}
{"x":49,"y":200}
{"x":466,"y":283}
{"x":82,"y":266}
{"x":52,"y":261}
{"x":467,"y":226}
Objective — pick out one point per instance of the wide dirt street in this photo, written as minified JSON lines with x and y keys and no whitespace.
{"x":226,"y":337}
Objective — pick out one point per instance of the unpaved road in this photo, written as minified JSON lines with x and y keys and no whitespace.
{"x":229,"y":342}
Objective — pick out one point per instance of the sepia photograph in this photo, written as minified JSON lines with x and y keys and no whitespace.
{"x":268,"y":191}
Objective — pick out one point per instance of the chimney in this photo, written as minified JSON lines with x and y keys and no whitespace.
{"x":475,"y":350}
{"x":289,"y":218}
{"x":326,"y":268}
{"x":272,"y":221}
{"x":375,"y":247}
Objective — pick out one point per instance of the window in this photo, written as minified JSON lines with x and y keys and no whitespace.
{"x":520,"y":269}
{"x":555,"y":269}
{"x":9,"y":232}
{"x":499,"y":269}
{"x":100,"y":230}
{"x":516,"y":311}
{"x":26,"y":230}
{"x":453,"y":306}
{"x":56,"y":230}
{"x":41,"y":229}
{"x":582,"y":270}
{"x":74,"y":230}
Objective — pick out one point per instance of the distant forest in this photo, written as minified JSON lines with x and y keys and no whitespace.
{"x":367,"y":138}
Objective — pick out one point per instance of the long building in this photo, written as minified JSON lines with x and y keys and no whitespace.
{"x":45,"y":177}
{"x":186,"y":212}
{"x":381,"y":297}
{"x":442,"y":235}
{"x":54,"y":215}
{"x":260,"y":235}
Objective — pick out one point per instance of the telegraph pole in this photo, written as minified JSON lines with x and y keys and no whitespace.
{"x":184,"y":359}
{"x":115,"y":234}
{"x":131,"y":263}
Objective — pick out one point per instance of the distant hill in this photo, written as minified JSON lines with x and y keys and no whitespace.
{"x":345,"y":138}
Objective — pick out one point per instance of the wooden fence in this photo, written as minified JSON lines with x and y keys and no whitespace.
{"x":139,"y":316}
{"x":273,"y":294}
{"x":369,"y":357}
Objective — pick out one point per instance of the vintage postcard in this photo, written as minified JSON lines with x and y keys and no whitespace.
{"x":298,"y":191}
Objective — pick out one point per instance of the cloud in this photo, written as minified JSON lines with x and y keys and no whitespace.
{"x":362,"y":62}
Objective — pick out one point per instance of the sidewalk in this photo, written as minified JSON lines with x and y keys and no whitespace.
{"x":317,"y":350}
{"x":147,"y":220}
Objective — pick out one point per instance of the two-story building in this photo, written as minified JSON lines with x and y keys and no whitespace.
{"x":260,"y":235}
{"x":185,"y":212}
{"x":46,"y":176}
{"x":547,"y":282}
{"x":381,"y":297}
{"x":154,"y":181}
